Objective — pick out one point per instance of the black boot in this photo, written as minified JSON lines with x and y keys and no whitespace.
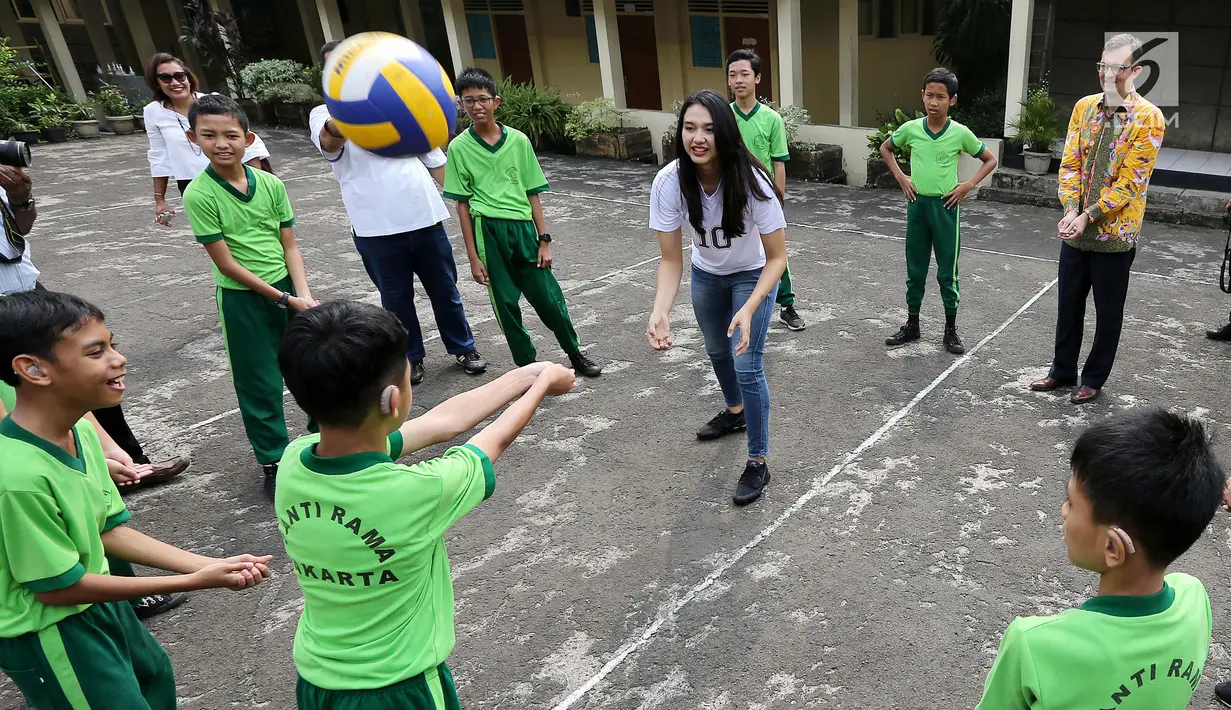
{"x":1223,"y":334}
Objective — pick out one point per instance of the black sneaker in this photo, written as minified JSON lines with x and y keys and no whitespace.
{"x":727,"y":422}
{"x":271,"y":478}
{"x":1222,"y":334}
{"x":472,"y":362}
{"x":155,"y":604}
{"x":953,"y":342}
{"x":584,"y":366}
{"x":416,"y":372}
{"x":1222,"y":693}
{"x":905,"y":334}
{"x":751,"y":483}
{"x":791,"y":318}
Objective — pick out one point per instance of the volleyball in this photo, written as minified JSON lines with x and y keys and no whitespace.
{"x":388,"y":95}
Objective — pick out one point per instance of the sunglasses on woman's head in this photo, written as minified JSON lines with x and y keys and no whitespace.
{"x":177,"y":76}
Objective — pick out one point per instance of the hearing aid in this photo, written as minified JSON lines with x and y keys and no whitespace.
{"x":386,"y":400}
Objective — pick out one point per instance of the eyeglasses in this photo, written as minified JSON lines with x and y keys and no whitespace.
{"x":472,"y":100}
{"x":1113,"y":68}
{"x":177,"y":76}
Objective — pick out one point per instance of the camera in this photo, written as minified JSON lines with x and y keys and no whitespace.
{"x":15,"y":154}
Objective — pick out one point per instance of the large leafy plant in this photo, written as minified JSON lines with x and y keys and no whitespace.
{"x":279,"y":80}
{"x":215,"y":36}
{"x":972,"y":37}
{"x":1040,"y":123}
{"x":541,"y":114}
{"x":887,"y":127}
{"x":594,"y":116}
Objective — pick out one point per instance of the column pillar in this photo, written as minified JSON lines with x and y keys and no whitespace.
{"x":668,"y":30}
{"x":1019,"y":61}
{"x":459,"y":35}
{"x":330,"y":19}
{"x":311,"y":27}
{"x":59,"y":48}
{"x":12,"y":29}
{"x":610,"y":63}
{"x":132,"y":14}
{"x":96,"y":26}
{"x":537,"y":67}
{"x":412,"y":20}
{"x":848,"y":62}
{"x":790,"y":54}
{"x":189,"y":53}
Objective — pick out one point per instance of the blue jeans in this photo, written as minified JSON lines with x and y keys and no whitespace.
{"x":393,"y":261}
{"x":715,"y":299}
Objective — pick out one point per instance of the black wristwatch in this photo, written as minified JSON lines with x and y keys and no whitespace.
{"x":545,"y":238}
{"x":23,"y":206}
{"x":286,"y":298}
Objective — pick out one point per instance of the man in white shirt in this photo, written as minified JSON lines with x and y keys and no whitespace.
{"x":17,"y":272}
{"x":396,"y":217}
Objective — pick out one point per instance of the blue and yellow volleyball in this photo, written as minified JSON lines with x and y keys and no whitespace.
{"x":388,"y":95}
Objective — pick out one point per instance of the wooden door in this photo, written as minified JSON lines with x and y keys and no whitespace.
{"x":751,"y":33}
{"x":639,"y":60}
{"x":513,"y":47}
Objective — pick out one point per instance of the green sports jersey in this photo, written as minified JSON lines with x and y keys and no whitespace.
{"x":1131,"y":653}
{"x":249,"y":223}
{"x":53,"y":508}
{"x":496,"y":180}
{"x":365,"y":535}
{"x":934,"y":157}
{"x":8,"y":396}
{"x":764,"y":133}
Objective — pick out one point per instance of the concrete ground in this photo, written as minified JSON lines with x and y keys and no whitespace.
{"x":914,"y":508}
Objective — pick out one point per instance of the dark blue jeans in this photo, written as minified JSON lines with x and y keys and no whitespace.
{"x":392,"y":262}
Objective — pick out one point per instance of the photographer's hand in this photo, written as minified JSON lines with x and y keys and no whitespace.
{"x":17,"y":188}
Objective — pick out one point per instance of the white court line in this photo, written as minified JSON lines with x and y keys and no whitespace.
{"x":818,"y":485}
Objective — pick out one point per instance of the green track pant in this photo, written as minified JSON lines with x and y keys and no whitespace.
{"x":509,"y":250}
{"x":430,"y":690}
{"x":930,"y":226}
{"x":252,"y":327}
{"x":99,"y":659}
{"x":786,"y":295}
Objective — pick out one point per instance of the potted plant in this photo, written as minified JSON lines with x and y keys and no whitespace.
{"x":24,"y":132}
{"x":818,"y":162}
{"x":116,"y":110}
{"x":51,"y":122}
{"x":668,"y":137}
{"x":1038,"y":127}
{"x":597,"y":128}
{"x":879,"y":174}
{"x":81,"y":117}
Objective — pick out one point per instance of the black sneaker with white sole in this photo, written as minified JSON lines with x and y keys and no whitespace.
{"x":727,"y":422}
{"x":1222,"y":693}
{"x":584,"y":366}
{"x":791,"y":318}
{"x":416,"y":372}
{"x":270,"y":472}
{"x":472,"y":362}
{"x":905,"y":334}
{"x":155,"y":604}
{"x":751,"y":483}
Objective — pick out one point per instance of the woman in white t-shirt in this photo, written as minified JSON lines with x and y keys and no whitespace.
{"x":724,"y":199}
{"x":172,"y":156}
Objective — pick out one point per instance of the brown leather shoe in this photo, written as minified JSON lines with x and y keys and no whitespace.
{"x":166,"y":470}
{"x":1083,"y":394}
{"x":1047,"y":384}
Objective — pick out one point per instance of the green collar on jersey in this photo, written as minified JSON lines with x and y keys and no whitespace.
{"x":340,"y":465}
{"x":209,"y":170}
{"x":12,"y":430}
{"x":746,"y":116}
{"x":934,"y":136}
{"x":504,"y":135}
{"x":1133,"y":606}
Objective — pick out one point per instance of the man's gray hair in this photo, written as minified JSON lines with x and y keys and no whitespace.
{"x":1123,"y":40}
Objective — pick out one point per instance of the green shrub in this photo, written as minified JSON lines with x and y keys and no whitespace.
{"x":112,"y":101}
{"x":594,"y":116}
{"x":889,"y":124}
{"x":281,"y":80}
{"x":1040,"y":123}
{"x":541,"y":114}
{"x":982,"y":114}
{"x":47,"y":115}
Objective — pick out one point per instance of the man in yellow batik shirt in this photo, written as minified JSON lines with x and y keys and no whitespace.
{"x":1109,"y":154}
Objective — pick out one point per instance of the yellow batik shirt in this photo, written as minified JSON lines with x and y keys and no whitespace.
{"x":1108,"y":160}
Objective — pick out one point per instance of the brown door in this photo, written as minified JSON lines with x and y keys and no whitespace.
{"x":751,"y":33}
{"x":639,"y":60}
{"x":513,"y":48}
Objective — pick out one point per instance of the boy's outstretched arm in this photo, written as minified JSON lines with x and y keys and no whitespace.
{"x":496,"y":437}
{"x":135,"y":546}
{"x":463,"y":412}
{"x":95,"y":588}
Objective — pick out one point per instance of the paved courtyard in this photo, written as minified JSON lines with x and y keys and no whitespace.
{"x":914,"y":508}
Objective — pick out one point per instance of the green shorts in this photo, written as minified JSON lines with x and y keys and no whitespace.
{"x":101,"y":658}
{"x":430,"y":690}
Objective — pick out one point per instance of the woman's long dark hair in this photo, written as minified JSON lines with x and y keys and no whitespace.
{"x":739,"y":167}
{"x":151,"y":76}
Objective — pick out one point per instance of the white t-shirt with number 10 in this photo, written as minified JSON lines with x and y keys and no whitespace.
{"x":713,"y":251}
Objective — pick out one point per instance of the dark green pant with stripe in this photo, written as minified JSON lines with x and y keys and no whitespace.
{"x":100,"y":659}
{"x":252,"y":327}
{"x":431,"y":690}
{"x":509,"y":250}
{"x":930,"y":226}
{"x":786,"y":295}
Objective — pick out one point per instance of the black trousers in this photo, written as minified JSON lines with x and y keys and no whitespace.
{"x":111,"y":419}
{"x":1106,"y":273}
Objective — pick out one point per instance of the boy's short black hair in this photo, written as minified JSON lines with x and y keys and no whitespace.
{"x":475,"y":78}
{"x":1153,"y":473}
{"x":745,"y":55}
{"x":328,"y":47}
{"x":338,"y":357}
{"x":940,"y":75}
{"x":32,"y":322}
{"x":216,"y":105}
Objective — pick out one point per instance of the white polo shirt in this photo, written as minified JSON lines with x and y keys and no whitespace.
{"x":171,"y":154}
{"x":712,"y":251}
{"x":382,"y":195}
{"x":20,"y":275}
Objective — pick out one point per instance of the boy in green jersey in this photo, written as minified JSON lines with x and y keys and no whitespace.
{"x":68,"y":637}
{"x":365,"y":534}
{"x":495,"y":177}
{"x":935,"y":144}
{"x":764,"y":132}
{"x":1145,"y":485}
{"x":243,"y":219}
